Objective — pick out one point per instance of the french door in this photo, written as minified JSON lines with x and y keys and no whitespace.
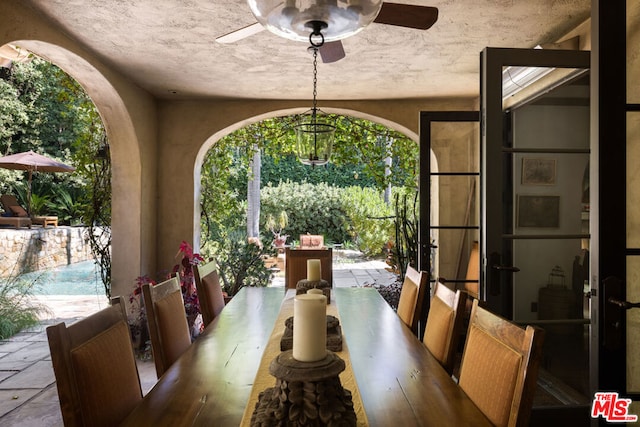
{"x":449,"y":186}
{"x":557,"y":207}
{"x":535,"y":215}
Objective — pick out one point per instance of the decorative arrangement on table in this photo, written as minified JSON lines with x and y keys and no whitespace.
{"x":308,"y":391}
{"x":314,"y":280}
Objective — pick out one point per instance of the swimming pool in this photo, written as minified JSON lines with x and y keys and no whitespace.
{"x":82,"y":278}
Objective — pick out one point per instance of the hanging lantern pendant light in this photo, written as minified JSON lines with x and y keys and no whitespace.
{"x":314,"y":132}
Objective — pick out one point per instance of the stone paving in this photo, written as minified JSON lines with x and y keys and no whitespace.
{"x":28,"y":395}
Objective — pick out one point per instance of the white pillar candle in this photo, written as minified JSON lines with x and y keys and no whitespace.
{"x":309,"y":327}
{"x":315,"y":291}
{"x":313,"y":270}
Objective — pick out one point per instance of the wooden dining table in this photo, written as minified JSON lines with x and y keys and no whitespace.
{"x":399,"y":381}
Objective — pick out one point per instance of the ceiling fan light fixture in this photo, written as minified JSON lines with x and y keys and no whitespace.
{"x":290,"y":19}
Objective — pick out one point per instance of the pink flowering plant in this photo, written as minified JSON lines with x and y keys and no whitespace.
{"x":138,"y":318}
{"x":184,"y":268}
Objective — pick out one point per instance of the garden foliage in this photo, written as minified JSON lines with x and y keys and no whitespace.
{"x":240,"y":262}
{"x":370,"y":219}
{"x":17,"y":308}
{"x":352,"y":214}
{"x":313,"y":209}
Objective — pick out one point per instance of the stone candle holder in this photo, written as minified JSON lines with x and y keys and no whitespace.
{"x":305,"y":394}
{"x":304,"y":285}
{"x":334,"y":334}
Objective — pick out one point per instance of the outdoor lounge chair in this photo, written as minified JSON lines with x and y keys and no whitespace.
{"x":14,"y":214}
{"x":16,"y":221}
{"x":10,"y":204}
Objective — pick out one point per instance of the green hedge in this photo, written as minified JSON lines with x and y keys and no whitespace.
{"x":314,"y":209}
{"x":289,"y":169}
{"x":342,"y":215}
{"x":371,"y":219}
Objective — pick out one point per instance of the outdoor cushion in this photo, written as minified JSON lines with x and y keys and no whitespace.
{"x":18,"y":211}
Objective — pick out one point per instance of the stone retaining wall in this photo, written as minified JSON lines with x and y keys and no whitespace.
{"x":25,"y":250}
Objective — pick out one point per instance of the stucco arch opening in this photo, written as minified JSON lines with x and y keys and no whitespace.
{"x":213,"y":139}
{"x":125,"y":156}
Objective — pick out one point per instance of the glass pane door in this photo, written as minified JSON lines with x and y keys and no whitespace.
{"x":535,"y":242}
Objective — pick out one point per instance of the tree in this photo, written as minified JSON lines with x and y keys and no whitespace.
{"x":359,"y":153}
{"x":253,"y":195}
{"x":44,"y":109}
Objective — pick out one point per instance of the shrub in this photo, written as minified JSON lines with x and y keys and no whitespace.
{"x":315,"y":209}
{"x":17,"y":309}
{"x":370,"y":219}
{"x":405,"y":248}
{"x":240,"y":262}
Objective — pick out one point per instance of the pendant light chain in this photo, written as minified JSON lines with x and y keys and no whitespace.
{"x":314,"y":135}
{"x":315,"y":78}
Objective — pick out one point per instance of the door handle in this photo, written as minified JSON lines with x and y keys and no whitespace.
{"x":612,"y":290}
{"x":623,"y":304}
{"x":494,"y":276}
{"x":508,"y":268}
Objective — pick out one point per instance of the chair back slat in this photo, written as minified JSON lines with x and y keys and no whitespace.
{"x":444,"y":324}
{"x":296,"y":265}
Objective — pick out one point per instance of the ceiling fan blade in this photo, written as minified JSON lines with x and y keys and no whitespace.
{"x":407,"y":15}
{"x":240,"y":34}
{"x":332,"y":52}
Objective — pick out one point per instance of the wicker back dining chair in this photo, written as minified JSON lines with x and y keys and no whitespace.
{"x":499,"y":367}
{"x":410,"y":305}
{"x":167,"y":322}
{"x":444,"y":324}
{"x":209,"y":291}
{"x":95,"y":368}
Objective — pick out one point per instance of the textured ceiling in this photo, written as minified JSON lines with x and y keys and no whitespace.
{"x":169,"y":46}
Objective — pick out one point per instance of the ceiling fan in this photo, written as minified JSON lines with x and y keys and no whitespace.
{"x":333,"y":21}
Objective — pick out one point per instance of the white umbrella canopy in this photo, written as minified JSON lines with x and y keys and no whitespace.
{"x":30,"y":162}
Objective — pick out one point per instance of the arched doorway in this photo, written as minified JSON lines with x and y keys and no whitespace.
{"x":128,"y":230}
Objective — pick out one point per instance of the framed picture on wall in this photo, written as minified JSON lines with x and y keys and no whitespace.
{"x":536,"y":171}
{"x":538,"y":211}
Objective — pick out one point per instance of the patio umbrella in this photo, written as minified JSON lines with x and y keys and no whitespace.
{"x":30,"y":162}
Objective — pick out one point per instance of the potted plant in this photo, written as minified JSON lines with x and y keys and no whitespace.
{"x":138,"y":315}
{"x":276,"y":228}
